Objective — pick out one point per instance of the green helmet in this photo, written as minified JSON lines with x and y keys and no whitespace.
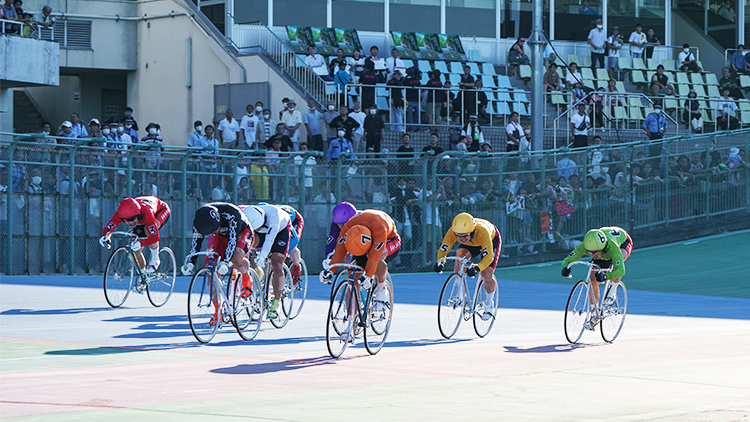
{"x":594,"y":240}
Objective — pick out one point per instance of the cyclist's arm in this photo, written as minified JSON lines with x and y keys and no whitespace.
{"x":448,"y":241}
{"x":149,"y":226}
{"x":618,"y":263}
{"x":333,"y":237}
{"x":273,"y":221}
{"x":574,"y":255}
{"x":197,"y":243}
{"x":112,"y":225}
{"x":488,"y":252}
{"x":300,"y":224}
{"x":339,"y":252}
{"x":232,"y":241}
{"x":379,"y":239}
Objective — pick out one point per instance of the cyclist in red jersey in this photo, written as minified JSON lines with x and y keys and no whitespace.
{"x":145,"y":215}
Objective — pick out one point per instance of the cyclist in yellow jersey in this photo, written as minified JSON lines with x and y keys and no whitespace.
{"x":475,"y":237}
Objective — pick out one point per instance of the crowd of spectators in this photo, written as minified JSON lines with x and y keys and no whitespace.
{"x":28,"y":23}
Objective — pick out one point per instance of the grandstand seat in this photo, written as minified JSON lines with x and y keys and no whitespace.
{"x":408,"y":63}
{"x":634,"y":102}
{"x":745,"y":82}
{"x":424,"y":66}
{"x":425,"y":78}
{"x":638,"y":64}
{"x":602,"y":75}
{"x":652,"y":63}
{"x":668,"y":65}
{"x":525,"y":72}
{"x":637,"y":77}
{"x":708,"y":116}
{"x":636,"y":113}
{"x":670,"y":103}
{"x":382,"y":103}
{"x":455,"y":79}
{"x":488,"y":69}
{"x":745,"y":118}
{"x":381,"y":91}
{"x":682,"y":78}
{"x":587,"y":73}
{"x":489,"y":81}
{"x":474,"y":68}
{"x":621,"y":113}
{"x":521,"y":109}
{"x":457,"y":68}
{"x":713,"y":91}
{"x":520,"y":95}
{"x":703,"y":69}
{"x":624,"y":63}
{"x":700,"y":91}
{"x":585,"y":61}
{"x":620,"y":86}
{"x":441,"y":66}
{"x":711,"y":79}
{"x":558,"y":98}
{"x":683,"y":90}
{"x":745,"y":107}
{"x":503,"y":81}
{"x":504,"y":96}
{"x":696,"y":79}
{"x":574,"y":58}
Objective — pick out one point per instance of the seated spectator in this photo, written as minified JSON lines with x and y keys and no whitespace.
{"x":317,"y":64}
{"x":566,"y":167}
{"x":486,"y":147}
{"x":738,"y":62}
{"x":687,"y":60}
{"x":730,"y":83}
{"x":433,"y":146}
{"x":660,"y":84}
{"x":586,"y":10}
{"x":280,"y":135}
{"x":108,"y":134}
{"x":517,"y":54}
{"x":461,"y":145}
{"x":573,"y":77}
{"x":578,"y":92}
{"x":405,"y":144}
{"x":736,"y":159}
{"x":333,"y":66}
{"x":374,"y":129}
{"x":474,"y":133}
{"x":727,"y":114}
{"x":549,"y":56}
{"x":692,"y":114}
{"x":120,"y":137}
{"x":552,"y":79}
{"x":613,"y":99}
{"x":130,"y":129}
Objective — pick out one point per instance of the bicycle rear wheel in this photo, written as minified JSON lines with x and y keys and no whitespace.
{"x":200,"y":306}
{"x":613,"y":316}
{"x":339,"y":322}
{"x":161,"y":283}
{"x":577,"y":311}
{"x":287,"y":299}
{"x":451,"y":305}
{"x":485,"y":316}
{"x":247,"y":310}
{"x":379,"y":314}
{"x":300,"y":290}
{"x":118,"y":277}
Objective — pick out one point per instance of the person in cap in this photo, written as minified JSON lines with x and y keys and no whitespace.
{"x":655,"y":123}
{"x":614,"y":44}
{"x":597,"y":40}
{"x":292,"y":120}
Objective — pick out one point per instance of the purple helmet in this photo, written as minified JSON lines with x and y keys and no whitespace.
{"x":343,"y":212}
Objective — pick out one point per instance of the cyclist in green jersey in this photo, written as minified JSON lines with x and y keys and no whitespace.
{"x":610,"y":247}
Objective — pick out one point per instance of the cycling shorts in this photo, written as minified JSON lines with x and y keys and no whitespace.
{"x":219,"y":243}
{"x":477,"y":250}
{"x":293,"y":239}
{"x":280,"y":244}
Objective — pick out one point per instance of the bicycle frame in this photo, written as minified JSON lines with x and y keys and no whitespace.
{"x":220,"y":287}
{"x":607,"y":285}
{"x":142,"y":276}
{"x":360,"y":310}
{"x":465,"y":262}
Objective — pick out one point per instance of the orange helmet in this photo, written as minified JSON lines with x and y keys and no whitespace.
{"x":358,"y":240}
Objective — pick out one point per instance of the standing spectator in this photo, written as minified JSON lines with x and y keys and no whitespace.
{"x":285,"y":143}
{"x":727,"y":12}
{"x":356,"y":66}
{"x":317,"y":64}
{"x":566,"y":168}
{"x":614,"y":44}
{"x":128,"y":122}
{"x":651,"y":41}
{"x":338,"y":145}
{"x":727,"y":112}
{"x":196,"y":138}
{"x":284,"y":106}
{"x":660,"y":83}
{"x":45,"y":20}
{"x":128,"y":113}
{"x":738,"y":62}
{"x":259,"y":109}
{"x":433,"y":145}
{"x":228,"y":130}
{"x":152,"y":155}
{"x":405,"y":144}
{"x":8,"y":13}
{"x":586,"y":10}
{"x":207,"y":160}
{"x":513,"y":131}
{"x":525,"y":145}
{"x":597,"y":40}
{"x":328,"y":116}
{"x":655,"y":123}
{"x":35,"y":185}
{"x":574,"y":76}
{"x":341,"y":77}
{"x":397,"y":101}
{"x":688,"y":62}
{"x":413,"y":111}
{"x":377,"y":63}
{"x":343,"y":121}
{"x":517,"y":54}
{"x":312,"y":124}
{"x":374,"y":130}
{"x":359,"y":116}
{"x":481,"y":101}
{"x":692,"y":114}
{"x":579,"y":127}
{"x":728,"y":82}
{"x":637,"y":40}
{"x":552,"y":79}
{"x":95,"y":129}
{"x":549,"y":56}
{"x":467,"y":91}
{"x":394,"y":63}
{"x":370,"y":79}
{"x":461,"y":145}
{"x":122,"y":137}
{"x":473,"y":132}
{"x":435,"y":99}
{"x":79,"y":130}
{"x":612,"y":98}
{"x":333,"y":66}
{"x":292,"y":121}
{"x":249,"y":128}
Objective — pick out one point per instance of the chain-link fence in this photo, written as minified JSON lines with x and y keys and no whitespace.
{"x":56,"y":198}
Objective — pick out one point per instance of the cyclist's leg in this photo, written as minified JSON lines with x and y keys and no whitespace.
{"x":279,"y":250}
{"x":488,"y":274}
{"x":241,"y":263}
{"x":461,"y":252}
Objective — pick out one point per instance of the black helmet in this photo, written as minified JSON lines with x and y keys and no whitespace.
{"x":206,"y":219}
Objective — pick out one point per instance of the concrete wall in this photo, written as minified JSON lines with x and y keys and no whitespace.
{"x":27,"y":61}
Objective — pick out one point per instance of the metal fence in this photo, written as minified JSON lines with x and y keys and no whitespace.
{"x":55,"y":198}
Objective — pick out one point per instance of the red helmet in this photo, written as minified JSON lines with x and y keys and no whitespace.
{"x":128,"y":208}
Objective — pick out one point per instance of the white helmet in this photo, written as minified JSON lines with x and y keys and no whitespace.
{"x":255,"y":216}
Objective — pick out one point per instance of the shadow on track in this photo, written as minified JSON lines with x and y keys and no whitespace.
{"x":552,"y":348}
{"x":55,"y":311}
{"x":264,"y":368}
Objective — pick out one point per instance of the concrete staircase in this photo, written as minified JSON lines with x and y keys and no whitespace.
{"x":26,"y":117}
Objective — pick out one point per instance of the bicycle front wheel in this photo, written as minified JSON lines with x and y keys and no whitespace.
{"x":202,"y":303}
{"x":118,"y":277}
{"x":161,"y":283}
{"x":247,"y":310}
{"x":379,"y":314}
{"x":339,"y":322}
{"x":300,"y":290}
{"x":287,"y":299}
{"x":613,"y":316}
{"x":451,"y":305}
{"x":341,"y":276}
{"x":577,"y":311}
{"x":485,"y":309}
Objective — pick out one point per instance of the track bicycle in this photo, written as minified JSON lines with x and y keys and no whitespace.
{"x":455,"y":305}
{"x":287,"y":294}
{"x":579,"y":315}
{"x":349,"y":313}
{"x":123,"y":275}
{"x":210,"y":291}
{"x":300,"y":287}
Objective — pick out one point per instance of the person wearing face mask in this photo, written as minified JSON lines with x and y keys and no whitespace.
{"x":359,"y":116}
{"x":343,"y":121}
{"x":259,"y":110}
{"x":338,"y":145}
{"x":292,"y":121}
{"x":108,"y":134}
{"x":196,"y":137}
{"x":687,"y":60}
{"x":374,"y":129}
{"x":45,"y":131}
{"x":130,"y":130}
{"x":328,"y":117}
{"x":128,"y":113}
{"x":36,"y":181}
{"x":153,"y":155}
{"x":312,"y":124}
{"x":249,"y":128}
{"x":266,"y":127}
{"x":597,"y":40}
{"x":474,"y":132}
{"x":655,"y":126}
{"x":120,"y":137}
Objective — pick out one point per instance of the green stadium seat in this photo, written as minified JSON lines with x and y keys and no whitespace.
{"x":708,"y":116}
{"x":503,"y":81}
{"x":683,"y":90}
{"x":652,"y":63}
{"x":525,"y":72}
{"x":638,"y":64}
{"x":745,"y":82}
{"x":585,"y":62}
{"x":696,"y":79}
{"x":668,"y":65}
{"x":624,"y":63}
{"x":700,"y":91}
{"x":573,"y":58}
{"x":670,"y":103}
{"x":587,"y":73}
{"x":488,"y":69}
{"x":634,"y":102}
{"x":502,"y":109}
{"x":558,"y":99}
{"x":620,"y":86}
{"x":636,"y":113}
{"x":745,"y":118}
{"x":489,"y":81}
{"x":382,"y":103}
{"x":621,"y":113}
{"x":713,"y":91}
{"x":711,"y":79}
{"x":602,"y":75}
{"x":474,"y":68}
{"x":703,"y":69}
{"x":637,"y":77}
{"x":745,"y":107}
{"x":682,"y":78}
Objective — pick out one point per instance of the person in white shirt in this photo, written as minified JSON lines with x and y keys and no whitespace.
{"x":597,"y":40}
{"x":317,"y":64}
{"x":358,"y":115}
{"x":394,"y":63}
{"x":292,"y":120}
{"x":687,"y":60}
{"x":579,"y":127}
{"x":194,"y":140}
{"x":574,"y":76}
{"x":637,"y":40}
{"x":614,"y":42}
{"x":355,"y":66}
{"x":249,"y":128}
{"x":228,"y":130}
{"x":514,"y":132}
{"x":266,"y":126}
{"x":726,"y":116}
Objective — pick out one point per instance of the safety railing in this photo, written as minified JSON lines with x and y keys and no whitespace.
{"x":56,"y":198}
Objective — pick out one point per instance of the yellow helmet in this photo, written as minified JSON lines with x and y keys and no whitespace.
{"x":463,"y":223}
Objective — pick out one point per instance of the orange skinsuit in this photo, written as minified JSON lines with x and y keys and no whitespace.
{"x":383,"y":229}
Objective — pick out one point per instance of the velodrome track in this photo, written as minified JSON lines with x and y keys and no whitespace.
{"x":683,"y":354}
